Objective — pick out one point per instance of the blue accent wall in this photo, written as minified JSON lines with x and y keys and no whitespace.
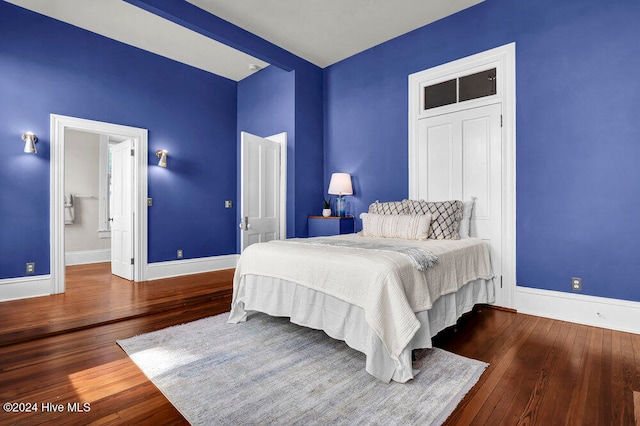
{"x":266,"y":106}
{"x":578,"y":134}
{"x":307,"y":159}
{"x":273,"y":101}
{"x":56,"y":68}
{"x":309,"y":155}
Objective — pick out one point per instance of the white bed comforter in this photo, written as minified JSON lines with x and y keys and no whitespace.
{"x":384,"y":284}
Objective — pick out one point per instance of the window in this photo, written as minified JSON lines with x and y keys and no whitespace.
{"x":477,"y":85}
{"x":460,"y":89}
{"x":440,"y":94}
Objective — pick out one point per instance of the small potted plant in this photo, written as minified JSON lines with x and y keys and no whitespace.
{"x":326,"y":211}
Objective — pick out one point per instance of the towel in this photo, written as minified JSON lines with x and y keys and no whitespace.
{"x":69,"y":213}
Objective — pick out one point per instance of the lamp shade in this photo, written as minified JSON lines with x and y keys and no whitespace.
{"x":340,"y":184}
{"x":29,"y":142}
{"x":162,"y":155}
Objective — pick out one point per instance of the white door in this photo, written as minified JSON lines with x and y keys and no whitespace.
{"x":121,"y":210}
{"x":260,"y":191}
{"x":463,"y":154}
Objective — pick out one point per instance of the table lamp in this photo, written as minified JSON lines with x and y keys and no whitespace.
{"x":340,"y":185}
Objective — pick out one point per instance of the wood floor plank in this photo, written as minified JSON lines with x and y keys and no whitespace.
{"x":618,"y":383}
{"x":635,"y":347}
{"x":95,"y":297}
{"x":541,"y":390}
{"x":512,"y":393}
{"x":484,"y":400}
{"x":630,"y":361}
{"x":533,"y":354}
{"x":477,"y":338}
{"x":496,"y":325}
{"x":567,"y":372}
{"x":604,"y":413}
{"x":586,"y":394}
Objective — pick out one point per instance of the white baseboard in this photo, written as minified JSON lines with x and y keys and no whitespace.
{"x":85,"y":257}
{"x":25,"y":287}
{"x":175,"y":268}
{"x":613,"y":314}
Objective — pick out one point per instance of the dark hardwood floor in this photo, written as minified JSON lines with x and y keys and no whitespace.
{"x":61,"y":349}
{"x":95,"y":297}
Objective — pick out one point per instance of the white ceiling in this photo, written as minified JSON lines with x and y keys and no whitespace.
{"x":327,"y":31}
{"x":129,"y":24}
{"x":320,"y":31}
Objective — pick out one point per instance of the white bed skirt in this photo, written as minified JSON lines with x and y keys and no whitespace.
{"x":346,"y":322}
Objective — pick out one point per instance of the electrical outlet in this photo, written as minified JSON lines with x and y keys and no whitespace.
{"x":31,"y":268}
{"x":576,"y":284}
{"x":179,"y":254}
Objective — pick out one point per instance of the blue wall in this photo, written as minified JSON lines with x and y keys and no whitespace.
{"x":309,"y":155}
{"x":272,"y":101}
{"x":578,"y":134}
{"x":266,"y":106}
{"x":306,"y":163}
{"x":56,"y":68}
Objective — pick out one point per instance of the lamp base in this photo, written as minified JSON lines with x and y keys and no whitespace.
{"x":340,"y":207}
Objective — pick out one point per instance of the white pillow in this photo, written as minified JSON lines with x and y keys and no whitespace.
{"x":409,"y":227}
{"x":465,"y":223}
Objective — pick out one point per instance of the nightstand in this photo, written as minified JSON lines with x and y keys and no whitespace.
{"x":320,"y":226}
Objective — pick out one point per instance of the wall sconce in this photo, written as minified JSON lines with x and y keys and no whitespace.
{"x":29,"y":142}
{"x":162,"y":155}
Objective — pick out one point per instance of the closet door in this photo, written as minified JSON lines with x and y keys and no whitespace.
{"x":460,"y":158}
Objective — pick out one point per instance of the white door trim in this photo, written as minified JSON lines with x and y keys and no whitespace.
{"x":504,"y":59}
{"x":59,"y":123}
{"x":281,"y":138}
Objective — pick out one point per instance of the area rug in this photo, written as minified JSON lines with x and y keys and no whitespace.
{"x":270,"y":371}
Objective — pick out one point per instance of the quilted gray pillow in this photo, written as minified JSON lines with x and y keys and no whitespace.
{"x":447,"y":215}
{"x":408,"y":227}
{"x":391,"y":207}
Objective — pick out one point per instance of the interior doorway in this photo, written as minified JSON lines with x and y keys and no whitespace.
{"x":60,"y":126}
{"x":97,"y":208}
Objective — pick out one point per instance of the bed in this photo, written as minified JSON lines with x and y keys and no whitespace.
{"x":385,"y":291}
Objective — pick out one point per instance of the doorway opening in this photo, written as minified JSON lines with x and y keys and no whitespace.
{"x":87,"y":194}
{"x":61,"y":129}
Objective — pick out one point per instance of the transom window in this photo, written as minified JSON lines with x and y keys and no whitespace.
{"x":461,"y":89}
